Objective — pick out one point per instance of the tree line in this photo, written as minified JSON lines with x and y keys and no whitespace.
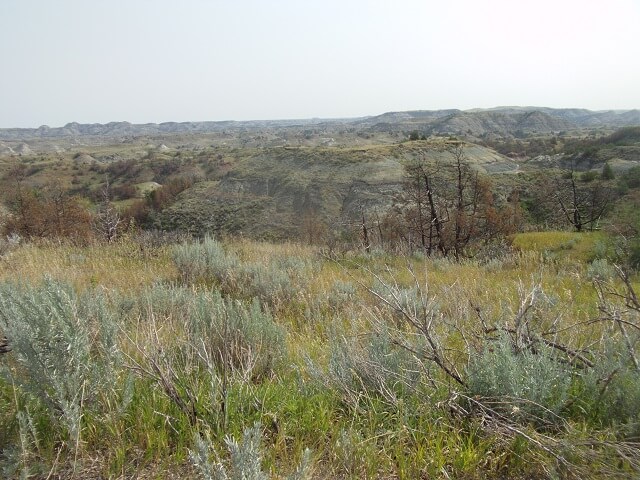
{"x":50,"y":211}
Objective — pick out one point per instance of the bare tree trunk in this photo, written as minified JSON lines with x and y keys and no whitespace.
{"x":436,"y":222}
{"x":365,"y":235}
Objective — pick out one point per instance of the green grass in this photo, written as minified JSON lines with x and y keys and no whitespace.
{"x":135,"y":428}
{"x":571,"y":246}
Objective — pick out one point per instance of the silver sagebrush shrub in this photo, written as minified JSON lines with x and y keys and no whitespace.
{"x":241,"y":335}
{"x":205,"y":261}
{"x":527,"y":385}
{"x":244,"y":461}
{"x":64,"y":346}
{"x":609,"y":393}
{"x":370,"y":364}
{"x":276,"y":280}
{"x":236,"y":335}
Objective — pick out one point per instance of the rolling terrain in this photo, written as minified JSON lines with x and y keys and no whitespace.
{"x":267,"y":179}
{"x":270,"y":179}
{"x":500,"y":121}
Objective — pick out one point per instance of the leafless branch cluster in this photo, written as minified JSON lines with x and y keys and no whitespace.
{"x":107,"y":220}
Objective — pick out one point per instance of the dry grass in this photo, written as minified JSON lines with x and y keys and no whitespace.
{"x":122,"y":265}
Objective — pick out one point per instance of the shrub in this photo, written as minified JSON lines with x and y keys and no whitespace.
{"x":64,"y":345}
{"x":47,"y":214}
{"x":9,"y":244}
{"x":124,"y":192}
{"x":125,"y":169}
{"x":165,"y":195}
{"x":634,"y":255}
{"x":234,"y":334}
{"x":241,"y":335}
{"x":609,"y":393}
{"x":607,"y":172}
{"x":589,"y":176}
{"x":341,"y":294}
{"x":266,"y":282}
{"x":352,"y":453}
{"x":371,"y":364}
{"x":205,"y":261}
{"x":245,"y":461}
{"x":275,"y":281}
{"x":600,"y":270}
{"x":631,"y":178}
{"x":526,"y":385}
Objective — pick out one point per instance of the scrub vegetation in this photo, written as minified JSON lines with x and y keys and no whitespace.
{"x":235,"y":356}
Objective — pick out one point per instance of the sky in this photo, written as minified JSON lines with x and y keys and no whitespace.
{"x":96,"y":61}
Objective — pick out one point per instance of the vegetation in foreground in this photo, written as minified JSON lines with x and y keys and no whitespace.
{"x":236,"y":359}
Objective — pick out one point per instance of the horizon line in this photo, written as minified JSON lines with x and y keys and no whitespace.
{"x":314,"y":118}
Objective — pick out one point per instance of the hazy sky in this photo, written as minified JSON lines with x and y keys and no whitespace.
{"x":178,"y":60}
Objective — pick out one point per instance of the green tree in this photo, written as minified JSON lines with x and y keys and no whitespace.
{"x":607,"y":172}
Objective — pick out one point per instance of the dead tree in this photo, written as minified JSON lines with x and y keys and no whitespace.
{"x":108,"y":219}
{"x":582,"y":205}
{"x":365,"y":235}
{"x":4,"y":345}
{"x":466,"y":200}
{"x":425,"y":216}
